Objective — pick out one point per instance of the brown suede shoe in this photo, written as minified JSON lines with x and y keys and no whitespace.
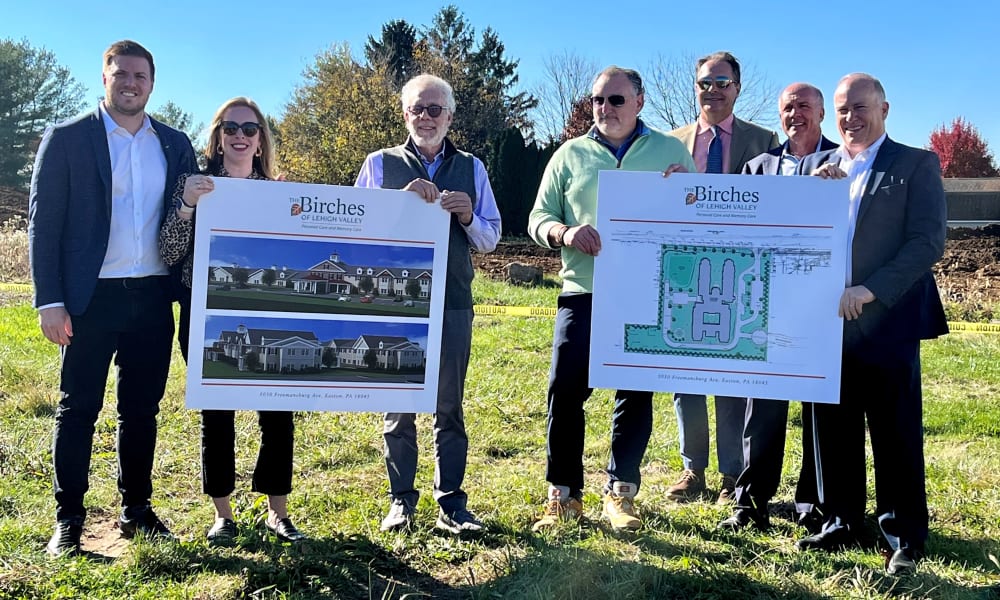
{"x":690,"y":487}
{"x":727,"y":495}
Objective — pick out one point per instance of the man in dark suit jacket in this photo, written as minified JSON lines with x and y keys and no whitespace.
{"x":800,"y":107}
{"x":99,"y":191}
{"x":897,"y":232}
{"x":717,"y":87}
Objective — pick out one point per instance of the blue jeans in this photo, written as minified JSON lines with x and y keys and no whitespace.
{"x":692,"y":431}
{"x":631,"y":422}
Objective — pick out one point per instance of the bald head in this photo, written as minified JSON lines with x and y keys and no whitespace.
{"x":800,"y":107}
{"x":861,"y":111}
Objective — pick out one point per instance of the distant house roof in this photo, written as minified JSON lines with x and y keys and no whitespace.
{"x":973,"y":199}
{"x":266,"y":336}
{"x":388,"y":342}
{"x":971,"y":184}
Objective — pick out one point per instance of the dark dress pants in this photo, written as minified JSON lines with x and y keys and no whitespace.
{"x":631,"y":422}
{"x":131,"y":322}
{"x":885,"y":391}
{"x":272,"y":474}
{"x":764,"y":451}
{"x":451,"y":442}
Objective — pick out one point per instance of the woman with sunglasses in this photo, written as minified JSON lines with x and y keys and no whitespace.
{"x":239,"y":146}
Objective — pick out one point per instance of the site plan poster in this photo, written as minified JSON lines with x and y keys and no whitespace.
{"x":720,"y":284}
{"x":316,"y":297}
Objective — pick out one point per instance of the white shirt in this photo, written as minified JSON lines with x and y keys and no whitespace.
{"x":138,"y":180}
{"x":484,"y":229}
{"x":858,"y":169}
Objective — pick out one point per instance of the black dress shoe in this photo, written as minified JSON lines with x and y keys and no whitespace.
{"x":66,"y":538}
{"x":143,"y":521}
{"x":829,"y":540}
{"x":811,"y":521}
{"x":284,"y":530}
{"x":744,"y":517}
{"x":222,"y":533}
{"x":902,"y":562}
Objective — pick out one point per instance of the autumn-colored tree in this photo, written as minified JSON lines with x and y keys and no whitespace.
{"x":346,"y":108}
{"x":581,"y":119}
{"x":342,"y":112}
{"x":962,"y":151}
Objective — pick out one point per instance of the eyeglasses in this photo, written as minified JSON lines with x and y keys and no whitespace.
{"x":434,"y":110}
{"x":721,"y":82}
{"x":249,"y":128}
{"x":615,"y":100}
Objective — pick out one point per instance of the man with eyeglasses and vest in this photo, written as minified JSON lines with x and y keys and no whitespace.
{"x":719,"y":143}
{"x":430,"y":165}
{"x":563,"y":217}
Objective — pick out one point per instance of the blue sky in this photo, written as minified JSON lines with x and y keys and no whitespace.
{"x":936,"y":60}
{"x":324,"y":330}
{"x":295,"y":254}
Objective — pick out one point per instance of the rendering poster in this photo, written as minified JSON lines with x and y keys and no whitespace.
{"x":316,"y":297}
{"x":720,"y":284}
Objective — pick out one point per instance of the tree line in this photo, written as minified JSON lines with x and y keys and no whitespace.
{"x":348,"y":106}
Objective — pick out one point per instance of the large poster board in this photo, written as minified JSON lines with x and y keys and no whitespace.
{"x":316,"y":297}
{"x":720,"y":284}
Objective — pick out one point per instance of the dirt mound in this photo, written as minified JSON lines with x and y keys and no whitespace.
{"x":969,"y":271}
{"x":13,"y":203}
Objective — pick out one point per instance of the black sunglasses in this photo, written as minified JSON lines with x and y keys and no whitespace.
{"x":433,"y":110}
{"x":616,"y":100}
{"x":721,"y":82}
{"x":249,"y":128}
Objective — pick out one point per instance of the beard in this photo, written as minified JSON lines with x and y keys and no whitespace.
{"x":130,"y":111}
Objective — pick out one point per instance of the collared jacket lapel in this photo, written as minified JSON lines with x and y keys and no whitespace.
{"x":883,"y":162}
{"x":102,"y":155}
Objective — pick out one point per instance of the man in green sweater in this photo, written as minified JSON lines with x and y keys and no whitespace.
{"x":563,"y":217}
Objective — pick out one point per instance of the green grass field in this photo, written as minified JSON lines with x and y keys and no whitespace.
{"x":261,"y":299}
{"x":341,"y":494}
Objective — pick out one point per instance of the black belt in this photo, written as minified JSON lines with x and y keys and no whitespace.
{"x":135,"y":283}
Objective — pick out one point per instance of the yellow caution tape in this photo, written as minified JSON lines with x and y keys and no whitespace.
{"x":492,"y":310}
{"x":514,"y":311}
{"x":978,"y":327}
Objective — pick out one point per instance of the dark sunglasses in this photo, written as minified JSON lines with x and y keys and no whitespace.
{"x":721,"y":82}
{"x":616,"y":100}
{"x":249,"y":128}
{"x":433,"y":110}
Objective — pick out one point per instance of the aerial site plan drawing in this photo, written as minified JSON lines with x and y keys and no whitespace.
{"x":719,"y":284}
{"x":713,"y":302}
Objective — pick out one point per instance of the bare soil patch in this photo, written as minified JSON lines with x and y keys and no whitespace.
{"x":969,"y":272}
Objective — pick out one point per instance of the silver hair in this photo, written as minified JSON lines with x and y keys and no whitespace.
{"x":424,"y":81}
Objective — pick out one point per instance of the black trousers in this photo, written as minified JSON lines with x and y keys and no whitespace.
{"x":885,"y":392}
{"x":131,"y":322}
{"x":763,"y":455}
{"x":272,"y":474}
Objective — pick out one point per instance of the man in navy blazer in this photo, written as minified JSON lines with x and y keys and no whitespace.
{"x":800,"y":108}
{"x":897,"y":226}
{"x":99,"y":192}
